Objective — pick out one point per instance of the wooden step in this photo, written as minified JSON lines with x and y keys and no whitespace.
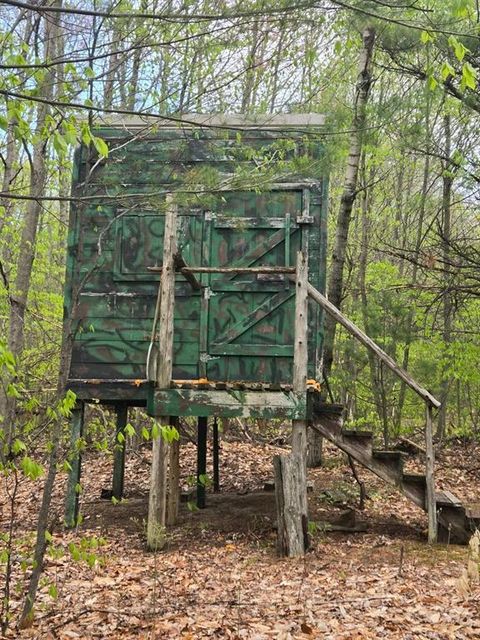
{"x":473,"y":512}
{"x":327,"y":409}
{"x":387,"y":456}
{"x":456,"y":522}
{"x":446,"y":498}
{"x":356,"y":433}
{"x":393,"y":460}
{"x":415,"y":478}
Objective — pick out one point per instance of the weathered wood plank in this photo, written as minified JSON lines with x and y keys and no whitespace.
{"x":248,"y":321}
{"x":156,"y":537}
{"x":292,"y":526}
{"x":231,"y":270}
{"x":291,"y":471}
{"x":173,"y":499}
{"x":229,"y":404}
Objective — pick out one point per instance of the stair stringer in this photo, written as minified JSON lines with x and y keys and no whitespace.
{"x":454,"y":523}
{"x":331,"y":428}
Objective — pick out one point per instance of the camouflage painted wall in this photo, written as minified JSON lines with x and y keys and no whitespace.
{"x":245,"y":199}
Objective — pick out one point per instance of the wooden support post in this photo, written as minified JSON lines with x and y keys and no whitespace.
{"x":216,"y":457}
{"x":119,"y":451}
{"x":430,"y":476}
{"x":315,"y":449}
{"x":291,"y":471}
{"x":173,"y":477}
{"x":72,"y":500}
{"x":201,"y":460}
{"x":156,"y":537}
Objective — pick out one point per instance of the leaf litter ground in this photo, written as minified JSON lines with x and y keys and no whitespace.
{"x":219,"y":576}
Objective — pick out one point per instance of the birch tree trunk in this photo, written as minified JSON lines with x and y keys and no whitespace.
{"x":335,"y":281}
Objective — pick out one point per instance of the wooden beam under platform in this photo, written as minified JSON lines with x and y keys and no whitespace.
{"x":228,"y":403}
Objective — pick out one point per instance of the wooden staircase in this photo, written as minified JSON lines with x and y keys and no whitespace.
{"x":456,"y":522}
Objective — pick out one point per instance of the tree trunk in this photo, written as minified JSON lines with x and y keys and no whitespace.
{"x":26,"y":255}
{"x":446,"y":296}
{"x":335,"y":282}
{"x":376,"y":379}
{"x":418,"y":245}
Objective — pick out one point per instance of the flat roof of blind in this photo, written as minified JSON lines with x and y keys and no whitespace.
{"x":215,"y":120}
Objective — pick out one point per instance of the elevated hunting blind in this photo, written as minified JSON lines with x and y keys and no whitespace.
{"x":196,"y":265}
{"x":248,"y":196}
{"x":189,"y":232}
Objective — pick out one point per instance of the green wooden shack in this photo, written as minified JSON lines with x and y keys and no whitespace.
{"x":248,"y":194}
{"x":196,"y":265}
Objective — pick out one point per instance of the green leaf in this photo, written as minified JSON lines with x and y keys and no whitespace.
{"x":426,"y":37}
{"x":59,"y":143}
{"x":469,"y":76}
{"x":459,"y":49}
{"x":204,"y":480}
{"x":3,"y":123}
{"x":145,"y":433}
{"x":169,"y":433}
{"x":447,"y":70}
{"x":18,"y":446}
{"x":129,"y":430}
{"x":12,"y":391}
{"x":457,"y":158}
{"x":53,"y":591}
{"x":74,"y":551}
{"x":66,"y":467}
{"x":432,"y":83}
{"x":91,"y":560}
{"x":30,"y":468}
{"x":86,"y":134}
{"x":101,"y":146}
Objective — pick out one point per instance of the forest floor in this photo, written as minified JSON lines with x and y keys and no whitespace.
{"x":219,"y":576}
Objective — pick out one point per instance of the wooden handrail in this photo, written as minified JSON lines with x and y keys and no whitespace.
{"x":373,"y":346}
{"x":426,"y":396}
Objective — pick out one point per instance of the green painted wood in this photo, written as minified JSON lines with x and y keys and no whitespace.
{"x":228,"y":404}
{"x":72,"y":498}
{"x":233,"y":331}
{"x":249,"y":320}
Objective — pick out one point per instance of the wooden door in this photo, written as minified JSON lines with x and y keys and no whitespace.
{"x":246,"y":320}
